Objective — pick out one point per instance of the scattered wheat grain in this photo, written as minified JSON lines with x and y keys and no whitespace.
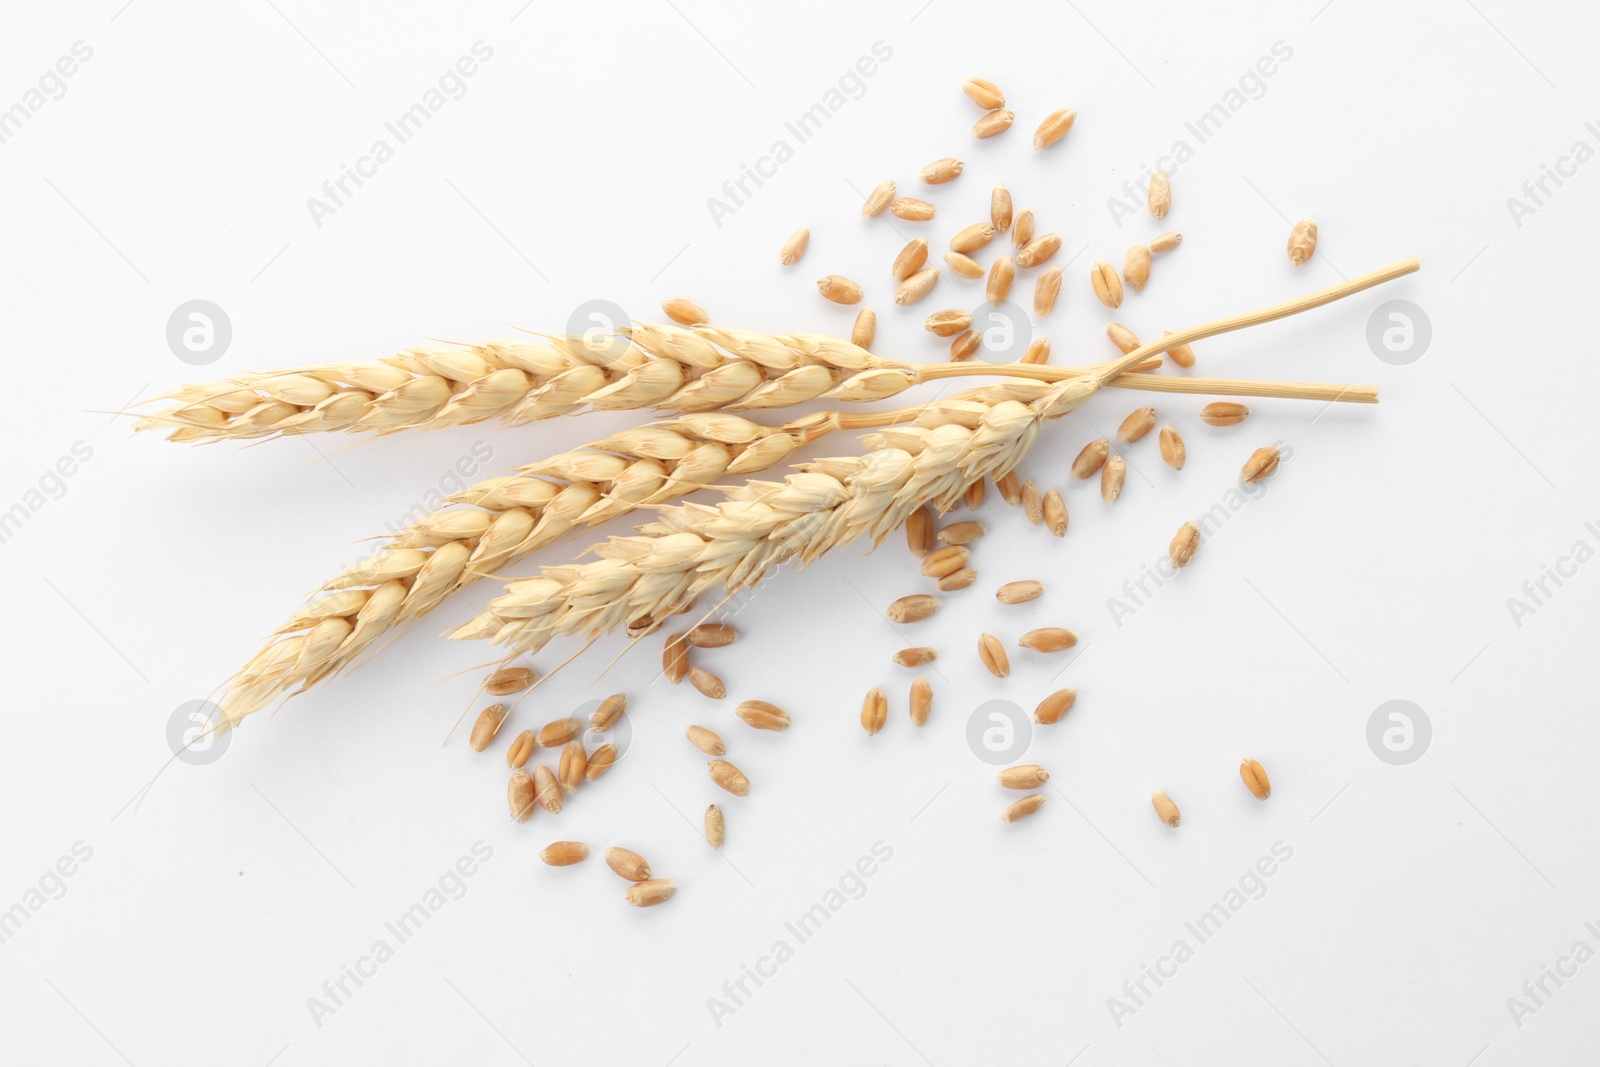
{"x":1184,"y":543}
{"x":1019,"y":592}
{"x":1166,"y":810}
{"x":795,"y":247}
{"x":1054,"y":706}
{"x":1302,"y":241}
{"x":993,"y":655}
{"x":762,"y":715}
{"x":1107,"y":286}
{"x":1261,"y":464}
{"x":1172,"y":448}
{"x":1224,"y":413}
{"x":1112,"y":475}
{"x":878,"y":199}
{"x":564,"y":853}
{"x":488,"y":724}
{"x":1255,"y":779}
{"x":707,"y":741}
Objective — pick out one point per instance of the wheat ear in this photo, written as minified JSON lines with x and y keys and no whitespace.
{"x":641,"y":366}
{"x":496,"y":522}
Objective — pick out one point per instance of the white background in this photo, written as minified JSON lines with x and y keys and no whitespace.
{"x":578,"y":165}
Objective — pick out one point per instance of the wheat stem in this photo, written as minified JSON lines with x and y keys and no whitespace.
{"x":1357,"y":394}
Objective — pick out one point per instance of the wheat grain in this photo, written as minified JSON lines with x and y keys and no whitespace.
{"x":971,"y":238}
{"x":508,"y":680}
{"x":573,"y":766}
{"x":520,"y":796}
{"x":921,"y":701}
{"x":1136,"y":269}
{"x":1001,"y":274}
{"x":960,"y":579}
{"x":675,"y":658}
{"x":547,"y":789}
{"x":1054,"y":706}
{"x":916,"y":287}
{"x":1045,"y":291}
{"x":1107,"y":286}
{"x":878,"y":199}
{"x":964,"y":265}
{"x":1054,"y":127}
{"x":1048,"y":639}
{"x":910,"y":259}
{"x":1139,"y":422}
{"x":1055,"y":513}
{"x":874,"y":710}
{"x":489,"y":722}
{"x":521,"y":750}
{"x":1224,"y":413}
{"x":712,"y":635}
{"x":1023,"y":776}
{"x":1022,"y":228}
{"x":1173,"y":450}
{"x":972,"y":496}
{"x":1182,"y":355}
{"x":911,"y":209}
{"x":1093,"y":456}
{"x":564,"y":853}
{"x":945,"y":323}
{"x":942,"y":170}
{"x":685,"y":312}
{"x":913,"y":608}
{"x":945,"y":561}
{"x":600,"y":761}
{"x":965,"y":345}
{"x":1255,"y":779}
{"x":611,"y":709}
{"x":1184,"y":543}
{"x":716,"y":826}
{"x":1302,"y":241}
{"x":865,"y":328}
{"x":993,"y":656}
{"x":1032,"y":502}
{"x":706,"y":741}
{"x":626,"y":863}
{"x":919,"y":532}
{"x":1112,"y":476}
{"x":1019,"y":592}
{"x":1023,"y":808}
{"x":761,"y":715}
{"x":1261,"y":464}
{"x":558,"y":732}
{"x":1000,"y":208}
{"x":1160,"y":195}
{"x":915,"y":657}
{"x":839,"y":289}
{"x":729,"y":777}
{"x":1166,"y":810}
{"x":962,"y":533}
{"x":986,"y":94}
{"x":994,"y":123}
{"x":709,"y":684}
{"x":649,"y":893}
{"x":1166,"y":242}
{"x":1009,"y":486}
{"x":795,"y":247}
{"x":1039,"y":250}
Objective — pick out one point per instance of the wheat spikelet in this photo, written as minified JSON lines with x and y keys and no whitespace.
{"x":639,"y":367}
{"x":496,"y":522}
{"x":691,"y":548}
